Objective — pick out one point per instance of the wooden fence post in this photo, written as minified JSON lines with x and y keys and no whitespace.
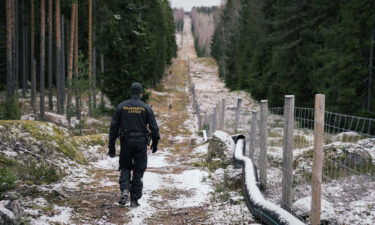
{"x":199,"y":117}
{"x":317,"y":158}
{"x":214,"y":120}
{"x":193,"y":94}
{"x":237,"y":118}
{"x":253,"y":134}
{"x":211,"y":125}
{"x":206,"y":123}
{"x":218,"y":113}
{"x":287,"y":181}
{"x":263,"y":144}
{"x":222,"y":116}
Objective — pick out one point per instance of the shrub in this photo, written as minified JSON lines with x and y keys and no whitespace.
{"x":7,"y":180}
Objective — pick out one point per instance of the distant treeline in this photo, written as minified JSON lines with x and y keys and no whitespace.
{"x":272,"y":48}
{"x":203,"y":26}
{"x":178,"y":15}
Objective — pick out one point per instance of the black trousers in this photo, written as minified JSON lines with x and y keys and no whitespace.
{"x":133,"y":163}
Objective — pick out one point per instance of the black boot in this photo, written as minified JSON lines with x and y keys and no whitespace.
{"x":124,"y":197}
{"x":134,"y":203}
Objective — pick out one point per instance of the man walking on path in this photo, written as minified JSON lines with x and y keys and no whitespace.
{"x":130,"y":123}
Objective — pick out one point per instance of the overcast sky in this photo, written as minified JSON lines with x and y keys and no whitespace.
{"x":188,"y":4}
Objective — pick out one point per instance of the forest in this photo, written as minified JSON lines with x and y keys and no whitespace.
{"x":178,"y":17}
{"x":271,"y":48}
{"x":203,"y":26}
{"x":71,"y":50}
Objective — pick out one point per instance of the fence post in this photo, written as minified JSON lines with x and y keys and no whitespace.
{"x":237,"y":118}
{"x":199,"y":117}
{"x":211,"y":124}
{"x":253,"y":134}
{"x":218,"y":113}
{"x":214,"y":121}
{"x":193,"y":94}
{"x":222,"y":116}
{"x":317,"y":158}
{"x":263,"y":144}
{"x":286,"y":199}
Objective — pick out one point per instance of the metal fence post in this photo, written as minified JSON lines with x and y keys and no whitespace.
{"x":317,"y":158}
{"x":253,"y":134}
{"x":286,"y":199}
{"x":263,"y":144}
{"x":237,"y":118}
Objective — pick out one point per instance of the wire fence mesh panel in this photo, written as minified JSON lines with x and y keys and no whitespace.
{"x":348,"y":173}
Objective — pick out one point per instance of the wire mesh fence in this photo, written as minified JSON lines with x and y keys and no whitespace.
{"x":348,"y":173}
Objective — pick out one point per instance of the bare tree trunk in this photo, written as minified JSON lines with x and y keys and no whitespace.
{"x":32,"y":51}
{"x":50,"y":36}
{"x":60,"y":101}
{"x":76,"y":74}
{"x":94,"y":77}
{"x":94,"y":59}
{"x":91,"y":95}
{"x":101,"y":80}
{"x":70,"y":60}
{"x":9,"y":51}
{"x":15,"y":46}
{"x":63,"y":58}
{"x":24,"y":48}
{"x":42,"y":56}
{"x":370,"y":72}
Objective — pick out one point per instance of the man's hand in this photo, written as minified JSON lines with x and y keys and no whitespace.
{"x":154,"y":146}
{"x":112,"y":151}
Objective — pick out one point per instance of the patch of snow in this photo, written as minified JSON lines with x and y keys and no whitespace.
{"x":152,"y":182}
{"x":191,"y":180}
{"x":202,"y":149}
{"x":302,"y":207}
{"x":6,"y":211}
{"x":159,"y":93}
{"x":63,"y":217}
{"x":107,"y":163}
{"x":157,"y":160}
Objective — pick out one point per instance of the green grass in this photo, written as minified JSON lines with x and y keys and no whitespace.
{"x":211,"y":165}
{"x":65,"y":143}
{"x":30,"y":172}
{"x":7,"y":180}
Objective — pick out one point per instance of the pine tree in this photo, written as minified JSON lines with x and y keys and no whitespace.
{"x":70,"y":59}
{"x":42,"y":57}
{"x":50,"y":52}
{"x":59,"y":73}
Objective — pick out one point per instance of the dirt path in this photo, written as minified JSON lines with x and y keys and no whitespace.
{"x":174,"y":192}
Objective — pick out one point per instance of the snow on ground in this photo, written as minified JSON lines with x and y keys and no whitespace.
{"x":62,"y":216}
{"x":107,"y":163}
{"x":191,"y":180}
{"x":202,"y":149}
{"x":157,"y":160}
{"x":151,"y":182}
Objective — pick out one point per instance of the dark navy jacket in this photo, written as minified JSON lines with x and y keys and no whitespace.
{"x":133,"y":115}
